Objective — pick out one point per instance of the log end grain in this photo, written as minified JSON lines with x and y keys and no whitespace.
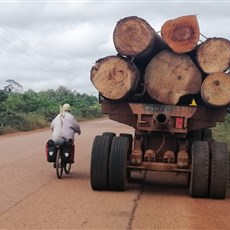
{"x":181,"y":34}
{"x":215,"y":90}
{"x":114,"y":77}
{"x":132,"y":36}
{"x":213,"y":55}
{"x":170,"y":76}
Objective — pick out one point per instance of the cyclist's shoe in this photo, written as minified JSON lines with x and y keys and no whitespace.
{"x":54,"y":164}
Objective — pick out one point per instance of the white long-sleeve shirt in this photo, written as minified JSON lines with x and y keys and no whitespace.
{"x":64,"y":126}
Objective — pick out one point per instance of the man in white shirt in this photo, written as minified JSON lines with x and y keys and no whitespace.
{"x":64,"y":126}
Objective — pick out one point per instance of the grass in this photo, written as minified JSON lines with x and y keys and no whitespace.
{"x":222,"y":133}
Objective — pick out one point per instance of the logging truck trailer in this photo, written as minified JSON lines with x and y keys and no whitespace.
{"x":167,"y":138}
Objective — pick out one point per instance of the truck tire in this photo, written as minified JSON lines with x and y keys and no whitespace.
{"x":117,"y":163}
{"x":219,"y":170}
{"x":130,"y":138}
{"x":200,"y":169}
{"x":207,"y":136}
{"x":100,"y":162}
{"x":111,"y":134}
{"x":195,"y":135}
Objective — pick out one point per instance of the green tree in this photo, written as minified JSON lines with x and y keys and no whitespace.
{"x":30,"y":110}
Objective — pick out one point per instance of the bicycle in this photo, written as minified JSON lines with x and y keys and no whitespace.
{"x":61,"y":154}
{"x":61,"y":164}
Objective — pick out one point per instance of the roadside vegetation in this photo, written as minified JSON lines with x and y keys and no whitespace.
{"x":222,"y":131}
{"x":29,"y":110}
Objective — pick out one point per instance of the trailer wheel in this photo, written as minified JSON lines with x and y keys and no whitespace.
{"x":200,"y":169}
{"x":207,"y":136}
{"x":117,"y":163}
{"x":111,"y":134}
{"x":99,"y":162}
{"x":219,"y":170}
{"x":130,"y":138}
{"x":196,"y":135}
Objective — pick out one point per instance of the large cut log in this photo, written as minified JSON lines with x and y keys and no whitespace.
{"x":181,"y":34}
{"x":115,"y":77}
{"x":215,"y":89}
{"x":170,"y":76}
{"x":134,"y":37}
{"x":213,"y":55}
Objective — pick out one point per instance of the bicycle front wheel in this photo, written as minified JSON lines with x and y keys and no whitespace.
{"x":59,"y":166}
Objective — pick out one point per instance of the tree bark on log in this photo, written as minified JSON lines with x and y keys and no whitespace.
{"x":181,"y":34}
{"x":215,"y":89}
{"x":213,"y":55}
{"x":170,"y":76}
{"x":115,"y":77}
{"x":134,"y":37}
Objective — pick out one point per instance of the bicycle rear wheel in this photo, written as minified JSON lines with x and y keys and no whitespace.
{"x":59,"y":166}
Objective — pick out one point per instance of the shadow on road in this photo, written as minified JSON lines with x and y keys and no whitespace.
{"x":161,"y":183}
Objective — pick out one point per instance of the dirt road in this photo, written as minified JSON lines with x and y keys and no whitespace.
{"x":31,"y":197}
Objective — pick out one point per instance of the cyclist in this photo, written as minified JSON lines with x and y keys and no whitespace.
{"x":64,"y":126}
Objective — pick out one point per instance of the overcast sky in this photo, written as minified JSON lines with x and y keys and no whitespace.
{"x":45,"y":44}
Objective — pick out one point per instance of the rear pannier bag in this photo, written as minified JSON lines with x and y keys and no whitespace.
{"x":67,"y":152}
{"x":51,"y":151}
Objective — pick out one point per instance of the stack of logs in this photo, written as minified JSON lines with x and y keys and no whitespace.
{"x":172,"y":68}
